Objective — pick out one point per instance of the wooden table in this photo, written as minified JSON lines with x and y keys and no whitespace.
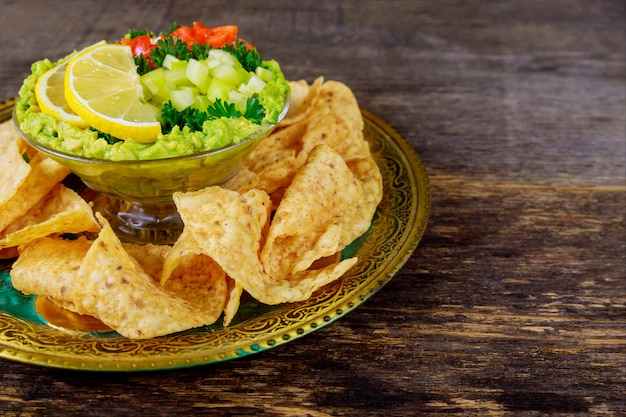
{"x":513,"y":303}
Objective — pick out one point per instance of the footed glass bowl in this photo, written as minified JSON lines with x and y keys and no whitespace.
{"x":136,"y":196}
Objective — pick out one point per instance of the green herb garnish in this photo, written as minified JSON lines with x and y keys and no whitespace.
{"x":172,"y":28}
{"x":249,"y":58}
{"x":134,"y":33}
{"x":254,"y":110}
{"x":169,"y":46}
{"x":195,"y":118}
{"x":223,"y":109}
{"x":199,"y":51}
{"x":110,"y":139}
{"x":143,"y":64}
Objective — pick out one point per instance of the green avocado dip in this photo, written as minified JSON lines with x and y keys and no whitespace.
{"x":176,"y":139}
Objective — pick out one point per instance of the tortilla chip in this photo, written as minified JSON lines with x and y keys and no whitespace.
{"x":229,"y":228}
{"x":48,"y":267}
{"x":187,"y":259}
{"x":337,"y":122}
{"x":301,"y":102}
{"x":307,"y":223}
{"x":342,"y":103}
{"x":8,"y":253}
{"x":150,"y":257}
{"x":358,"y":217}
{"x":329,"y":114}
{"x":274,"y":179}
{"x":184,"y":246}
{"x":12,"y":164}
{"x":44,"y":175}
{"x":60,"y":211}
{"x":233,"y":299}
{"x":118,"y":292}
{"x":335,"y":132}
{"x":286,"y":143}
{"x":234,"y":223}
{"x":243,"y":177}
{"x":194,"y":276}
{"x":101,"y":279}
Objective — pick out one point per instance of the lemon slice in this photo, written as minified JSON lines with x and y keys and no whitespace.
{"x":50,"y":94}
{"x":103,"y":87}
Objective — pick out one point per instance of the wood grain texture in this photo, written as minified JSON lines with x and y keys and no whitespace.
{"x":515,"y":301}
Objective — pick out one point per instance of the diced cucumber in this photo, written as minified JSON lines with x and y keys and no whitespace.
{"x":217,"y":89}
{"x":177,"y":74}
{"x":153,"y":80}
{"x":167,"y":61}
{"x":264,"y":74}
{"x":223,"y":57}
{"x":198,"y":73}
{"x":238,"y":99}
{"x":198,"y":84}
{"x":230,"y":75}
{"x":254,"y":85}
{"x":183,"y":98}
{"x":212,"y":62}
{"x":201,"y":103}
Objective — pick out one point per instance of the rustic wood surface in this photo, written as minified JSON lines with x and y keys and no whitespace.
{"x":514,"y":302}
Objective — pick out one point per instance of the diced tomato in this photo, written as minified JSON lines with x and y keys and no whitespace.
{"x":186,"y":34}
{"x":217,"y":37}
{"x":141,"y":45}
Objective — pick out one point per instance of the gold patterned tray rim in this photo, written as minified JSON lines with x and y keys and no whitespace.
{"x":397,"y":228}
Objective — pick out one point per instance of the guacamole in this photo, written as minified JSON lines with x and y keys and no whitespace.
{"x":214,"y":133}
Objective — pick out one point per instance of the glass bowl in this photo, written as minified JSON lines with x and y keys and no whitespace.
{"x":136,"y":196}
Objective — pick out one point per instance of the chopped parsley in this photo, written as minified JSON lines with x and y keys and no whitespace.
{"x":110,"y":139}
{"x":134,"y":33}
{"x":169,"y":45}
{"x":195,"y":118}
{"x":248,"y":57}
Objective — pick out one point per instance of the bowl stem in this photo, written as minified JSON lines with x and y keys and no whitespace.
{"x":140,"y":222}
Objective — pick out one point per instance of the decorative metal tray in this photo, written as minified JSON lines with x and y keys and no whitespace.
{"x":396,"y":230}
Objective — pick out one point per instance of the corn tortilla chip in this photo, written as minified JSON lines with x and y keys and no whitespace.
{"x":48,"y":267}
{"x":187,"y":255}
{"x":44,"y":175}
{"x":337,"y":122}
{"x":8,"y":253}
{"x":335,"y":132}
{"x":200,"y":281}
{"x":329,"y":114}
{"x":358,"y":217}
{"x":280,"y":145}
{"x":101,"y":279}
{"x":229,"y":227}
{"x":307,"y":223}
{"x":117,"y":291}
{"x":194,"y":276}
{"x":231,"y":223}
{"x":302,"y":100}
{"x":233,"y":300}
{"x":150,"y":257}
{"x":274,"y":179}
{"x":12,"y":164}
{"x":60,"y":211}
